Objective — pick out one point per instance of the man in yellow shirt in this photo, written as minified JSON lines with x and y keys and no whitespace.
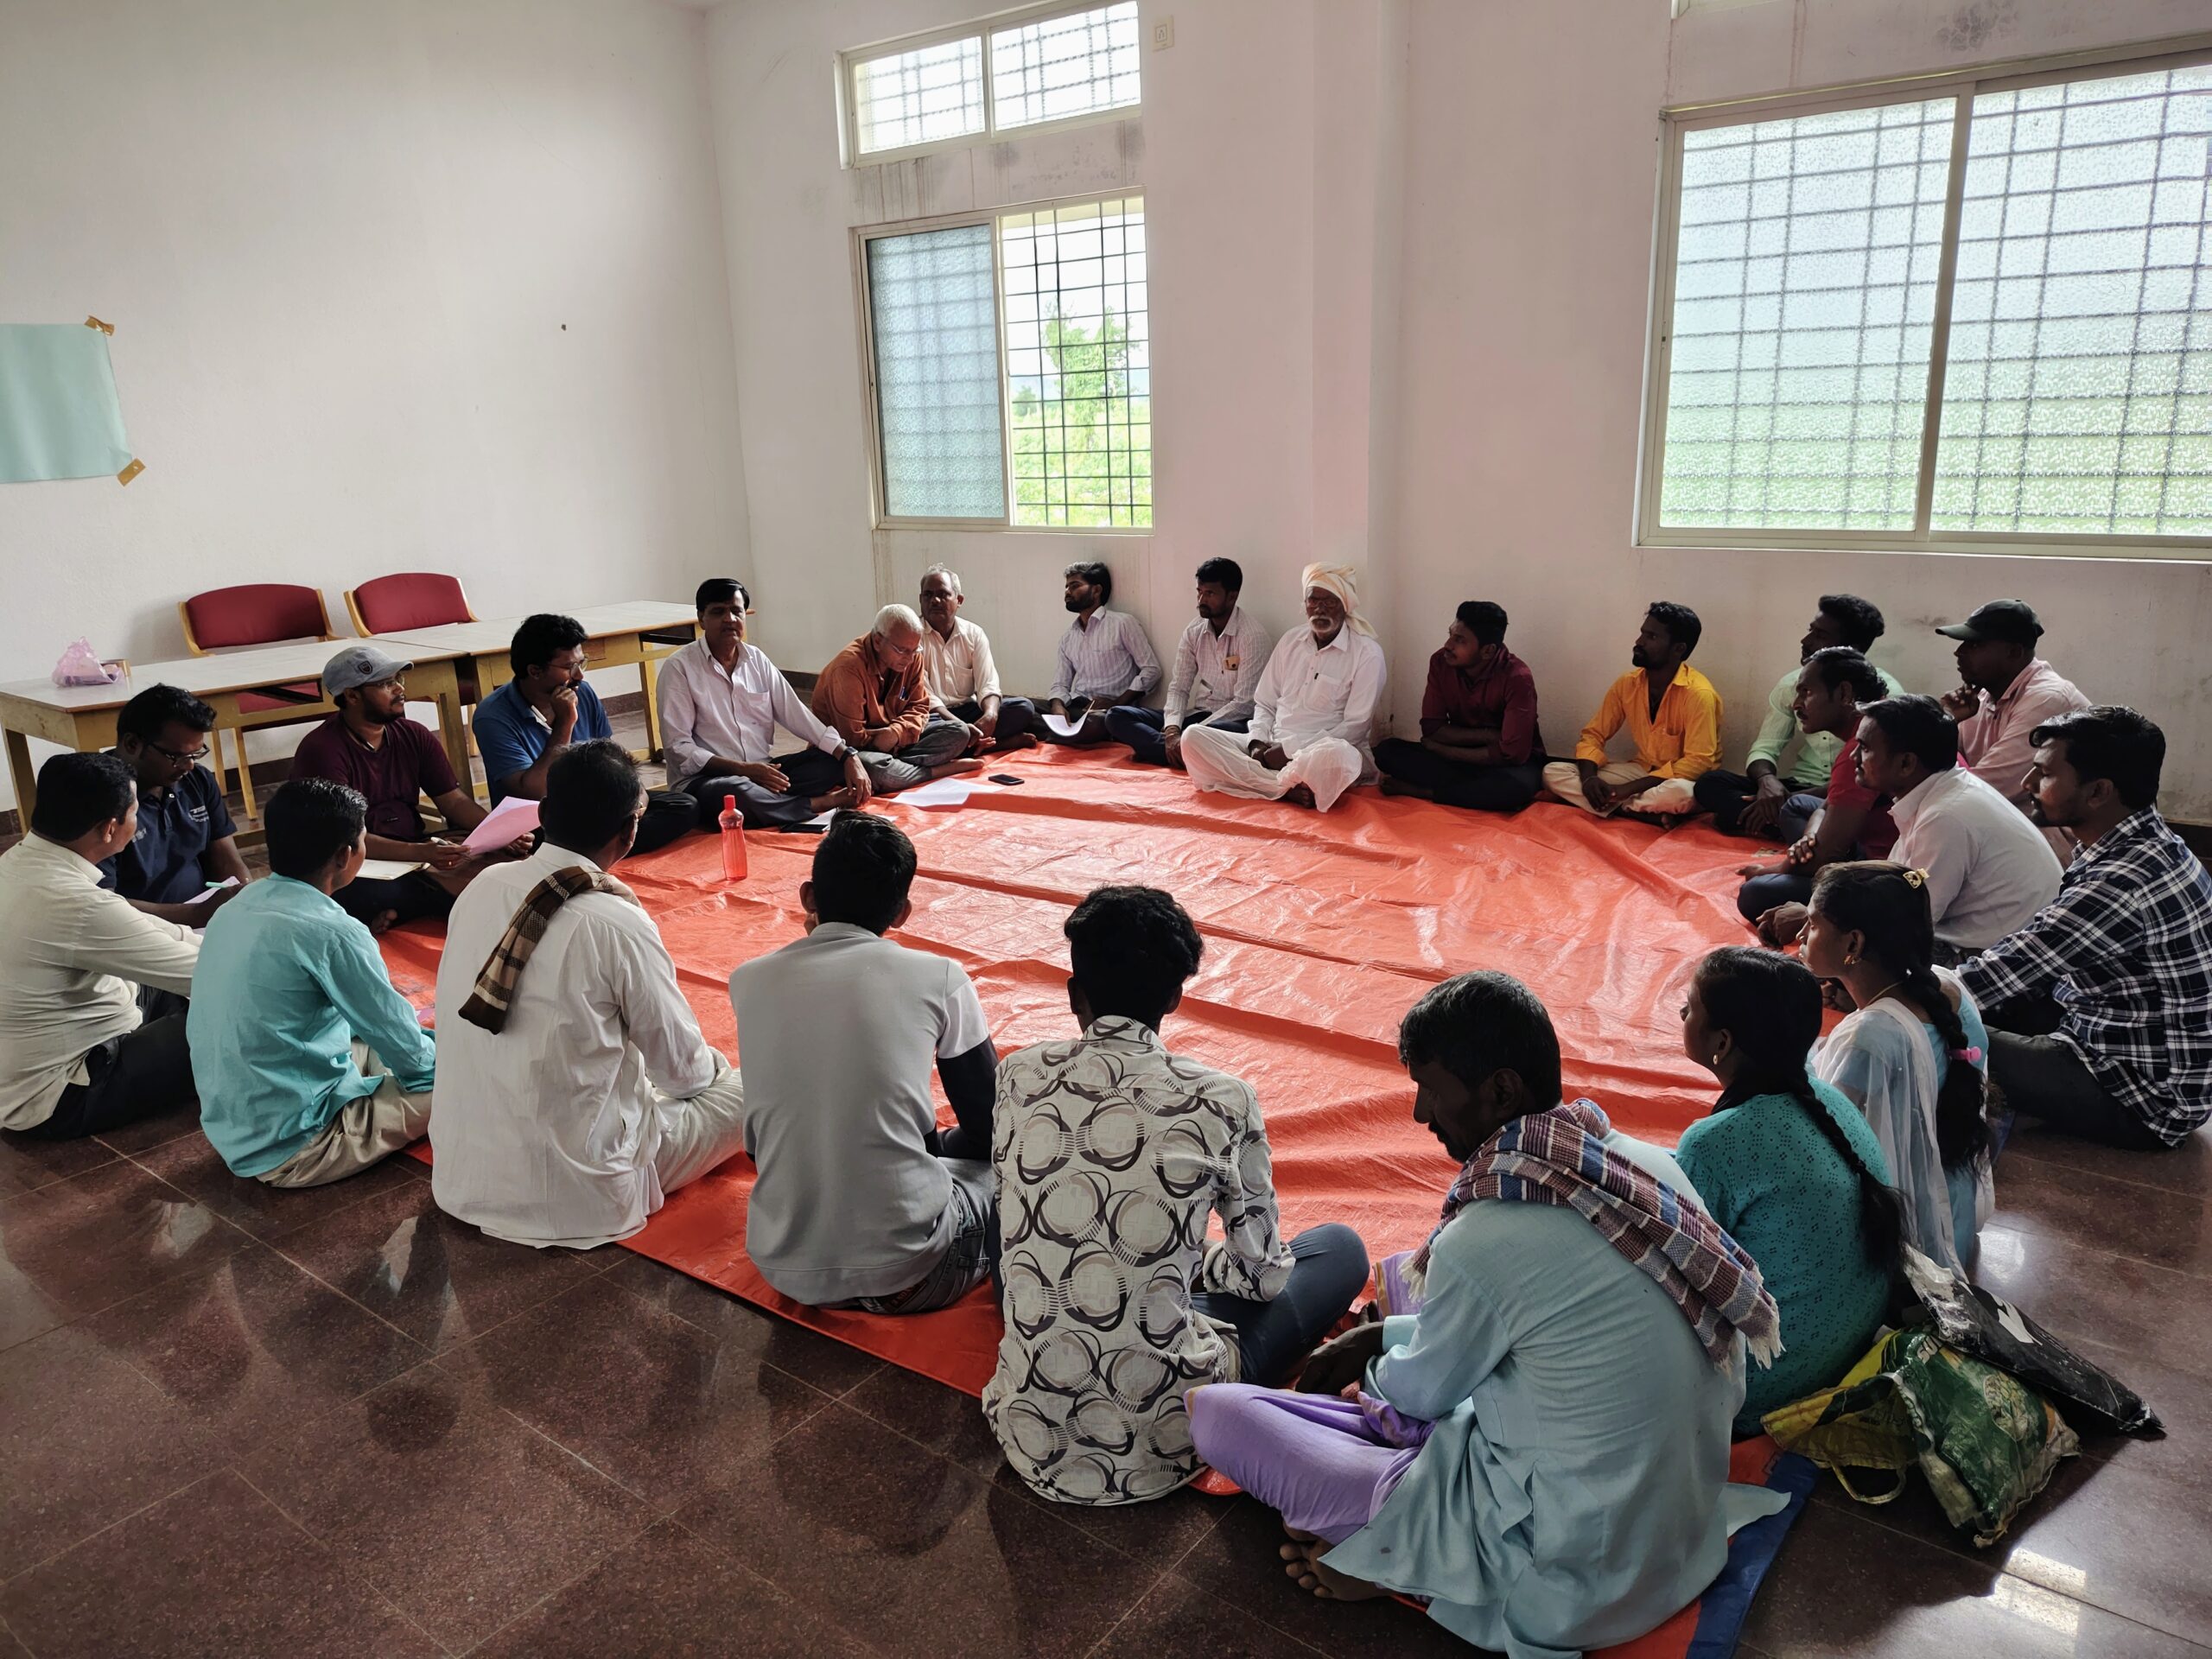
{"x":1673,"y":717}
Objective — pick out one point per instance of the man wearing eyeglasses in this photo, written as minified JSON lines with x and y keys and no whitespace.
{"x":186,"y":841}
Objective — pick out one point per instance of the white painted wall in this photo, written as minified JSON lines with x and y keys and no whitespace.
{"x":1400,"y":267}
{"x":340,"y":241}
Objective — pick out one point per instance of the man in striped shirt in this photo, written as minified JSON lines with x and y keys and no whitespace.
{"x":1105,"y":659}
{"x":2100,"y":1009}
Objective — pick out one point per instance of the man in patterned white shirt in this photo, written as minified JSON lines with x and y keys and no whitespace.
{"x":1111,"y":1155}
{"x":1105,"y":659}
{"x":1218,"y":667}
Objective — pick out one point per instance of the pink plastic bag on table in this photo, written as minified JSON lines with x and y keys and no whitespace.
{"x":80,"y":665}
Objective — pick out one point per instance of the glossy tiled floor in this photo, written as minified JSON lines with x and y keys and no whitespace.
{"x":238,"y":1421}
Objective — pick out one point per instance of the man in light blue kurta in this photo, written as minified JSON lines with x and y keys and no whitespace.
{"x":1570,"y":1494}
{"x":310,"y":1066}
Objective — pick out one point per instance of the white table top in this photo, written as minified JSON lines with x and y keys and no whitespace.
{"x":624,"y":616}
{"x":252,"y":669}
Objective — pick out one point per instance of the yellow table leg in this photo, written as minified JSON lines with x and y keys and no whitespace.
{"x":23,"y":776}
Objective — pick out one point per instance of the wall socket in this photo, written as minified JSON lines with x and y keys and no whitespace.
{"x":1163,"y":34}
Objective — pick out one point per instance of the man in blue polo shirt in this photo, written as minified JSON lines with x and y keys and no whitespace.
{"x":521,"y":727}
{"x":185,"y":841}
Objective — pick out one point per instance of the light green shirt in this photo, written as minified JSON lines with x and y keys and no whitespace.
{"x":287,"y":981}
{"x":1817,"y":751}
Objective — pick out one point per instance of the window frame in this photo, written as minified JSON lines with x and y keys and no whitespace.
{"x":981,"y":30}
{"x":861,"y":235}
{"x":1962,"y":86}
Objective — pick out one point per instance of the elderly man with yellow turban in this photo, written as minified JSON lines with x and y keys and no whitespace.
{"x":1312,"y":732}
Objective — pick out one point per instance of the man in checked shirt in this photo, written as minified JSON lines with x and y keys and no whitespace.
{"x":2100,"y":1009}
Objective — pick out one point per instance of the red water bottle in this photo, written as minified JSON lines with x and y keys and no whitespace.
{"x":733,"y":841}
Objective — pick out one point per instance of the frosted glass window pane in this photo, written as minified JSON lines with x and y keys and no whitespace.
{"x":937,"y":374}
{"x":1804,"y":301}
{"x":1078,"y":364}
{"x":919,"y":97}
{"x":1066,"y":66}
{"x":2078,"y":398}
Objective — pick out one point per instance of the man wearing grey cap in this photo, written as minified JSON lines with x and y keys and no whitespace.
{"x":2006,"y":691}
{"x":371,"y":746}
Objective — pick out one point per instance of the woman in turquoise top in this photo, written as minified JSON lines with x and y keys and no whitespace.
{"x":1790,"y":1168}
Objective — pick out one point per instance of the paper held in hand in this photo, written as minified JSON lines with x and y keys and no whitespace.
{"x":510,"y":818}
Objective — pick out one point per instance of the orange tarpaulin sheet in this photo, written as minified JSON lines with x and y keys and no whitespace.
{"x":1320,"y":931}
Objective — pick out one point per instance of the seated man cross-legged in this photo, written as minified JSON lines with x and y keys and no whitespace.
{"x":1105,"y":660}
{"x":1673,"y":717}
{"x":1536,"y":1438}
{"x":310,"y":1066}
{"x":721,"y":702}
{"x":522,"y":727}
{"x":1480,"y":745}
{"x":392,"y":762}
{"x":1763,"y":800}
{"x":1312,"y":731}
{"x":185,"y":841}
{"x":962,"y":674}
{"x":873,"y":696}
{"x":2099,"y":1006}
{"x":92,"y":1024}
{"x":575,"y":1091}
{"x":1112,"y":1154}
{"x":2005,"y":691}
{"x":1218,"y":667}
{"x":860,"y":1201}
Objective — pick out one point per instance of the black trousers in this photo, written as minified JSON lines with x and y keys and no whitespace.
{"x":1725,"y":794}
{"x":142,"y":1073}
{"x":408,"y":898}
{"x":2043,"y":1078}
{"x":1502,"y":788}
{"x":812,"y":772}
{"x":1328,"y":1270}
{"x":1141,"y":727}
{"x":669,"y":813}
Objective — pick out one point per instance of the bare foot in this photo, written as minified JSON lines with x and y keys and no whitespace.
{"x":1026,"y":740}
{"x":384,"y":921}
{"x":834,"y":799}
{"x":1399,"y":787}
{"x":1302,"y":1563}
{"x":1299,"y":795}
{"x":953,"y":768}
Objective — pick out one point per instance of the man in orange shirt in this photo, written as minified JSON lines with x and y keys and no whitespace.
{"x":873,"y":692}
{"x":1673,"y":717}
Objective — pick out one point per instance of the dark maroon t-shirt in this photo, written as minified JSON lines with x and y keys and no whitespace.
{"x":392,"y":776}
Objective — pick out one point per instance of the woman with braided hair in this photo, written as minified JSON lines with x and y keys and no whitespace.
{"x":1790,"y":1168}
{"x":1913,"y":1057}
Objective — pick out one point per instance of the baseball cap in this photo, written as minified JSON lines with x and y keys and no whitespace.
{"x":357,"y":666}
{"x":2011,"y":621}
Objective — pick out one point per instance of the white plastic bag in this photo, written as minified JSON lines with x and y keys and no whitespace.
{"x":80,"y":665}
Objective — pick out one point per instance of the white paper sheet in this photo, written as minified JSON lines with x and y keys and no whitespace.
{"x":945,"y":792}
{"x":1061,"y":725}
{"x":384,"y":869}
{"x":510,"y":818}
{"x":220,"y":887}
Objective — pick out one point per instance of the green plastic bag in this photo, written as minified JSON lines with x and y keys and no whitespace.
{"x":1986,"y":1442}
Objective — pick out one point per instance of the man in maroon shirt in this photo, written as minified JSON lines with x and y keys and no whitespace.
{"x":1480,"y":746}
{"x":371,"y":747}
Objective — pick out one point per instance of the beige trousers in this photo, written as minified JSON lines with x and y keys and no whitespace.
{"x":1675,"y":795}
{"x":699,"y":1132}
{"x":366,"y":1132}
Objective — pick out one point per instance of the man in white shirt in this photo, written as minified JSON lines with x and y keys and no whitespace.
{"x":721,"y":702}
{"x":1104,"y":659}
{"x":77,"y":1054}
{"x":575,"y":1091}
{"x":860,"y":1202}
{"x":962,"y":678}
{"x":2005,"y":692}
{"x":1312,"y":732}
{"x":1218,"y":669}
{"x":1989,"y":868}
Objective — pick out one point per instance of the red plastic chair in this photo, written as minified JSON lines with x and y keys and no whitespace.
{"x":412,"y":598}
{"x":257,"y":614}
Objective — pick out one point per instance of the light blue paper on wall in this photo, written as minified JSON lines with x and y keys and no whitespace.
{"x":58,"y":414}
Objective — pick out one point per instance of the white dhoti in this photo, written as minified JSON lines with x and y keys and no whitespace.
{"x":1670,"y":798}
{"x":1219,"y":760}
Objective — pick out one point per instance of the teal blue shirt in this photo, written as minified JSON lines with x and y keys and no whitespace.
{"x":286,"y":982}
{"x":1768,"y":1175}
